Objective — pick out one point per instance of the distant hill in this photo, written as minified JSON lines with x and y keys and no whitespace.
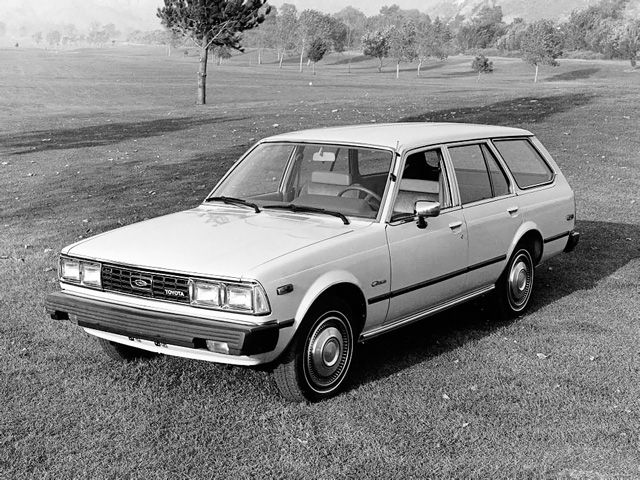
{"x":527,"y":9}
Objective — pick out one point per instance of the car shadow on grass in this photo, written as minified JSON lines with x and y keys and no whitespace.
{"x":604,"y":248}
{"x":507,"y":112}
{"x":100,"y":135}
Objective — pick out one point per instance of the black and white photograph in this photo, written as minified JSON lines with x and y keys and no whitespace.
{"x":290,"y":239}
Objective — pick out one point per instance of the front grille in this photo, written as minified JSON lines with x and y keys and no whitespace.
{"x":145,"y":284}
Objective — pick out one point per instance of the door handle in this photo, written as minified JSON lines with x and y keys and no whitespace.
{"x":512,"y":210}
{"x":455,"y":225}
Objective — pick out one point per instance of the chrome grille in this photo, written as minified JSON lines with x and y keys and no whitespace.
{"x":145,"y":284}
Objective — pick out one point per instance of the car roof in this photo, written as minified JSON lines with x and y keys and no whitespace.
{"x":399,"y":136}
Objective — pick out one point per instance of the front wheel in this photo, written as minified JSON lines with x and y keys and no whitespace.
{"x":516,"y":283}
{"x":317,"y":362}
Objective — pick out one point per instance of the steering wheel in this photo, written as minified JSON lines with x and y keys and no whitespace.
{"x":369,"y":195}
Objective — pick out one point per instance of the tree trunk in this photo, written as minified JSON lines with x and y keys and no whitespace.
{"x":419,"y":67}
{"x":301,"y":56}
{"x":281,"y":59}
{"x":380,"y":65}
{"x":349,"y":70}
{"x":478,"y":79}
{"x":259,"y":56}
{"x":632,"y":59}
{"x":397,"y":69}
{"x":314,"y":68}
{"x":202,"y":76}
{"x":535,"y":79}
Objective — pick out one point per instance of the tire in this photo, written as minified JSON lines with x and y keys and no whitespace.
{"x":316,"y":364}
{"x":516,"y":284}
{"x":123,"y":353}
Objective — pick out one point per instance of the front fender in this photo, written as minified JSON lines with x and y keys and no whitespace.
{"x":321,"y":285}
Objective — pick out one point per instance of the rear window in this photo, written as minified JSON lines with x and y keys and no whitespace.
{"x":525,"y":163}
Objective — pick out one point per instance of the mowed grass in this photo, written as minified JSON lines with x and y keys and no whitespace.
{"x":94,"y":139}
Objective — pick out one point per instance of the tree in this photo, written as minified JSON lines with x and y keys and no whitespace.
{"x":511,"y":39}
{"x":402,"y":43}
{"x":37,"y":37}
{"x":316,"y":51}
{"x":541,"y":45}
{"x":376,"y":44}
{"x":626,"y":36}
{"x":481,"y":64}
{"x":53,"y":38}
{"x":286,"y":30}
{"x":212,"y":23}
{"x":354,"y":20}
{"x":313,"y":24}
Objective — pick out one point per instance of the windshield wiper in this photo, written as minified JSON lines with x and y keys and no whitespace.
{"x":302,"y":208}
{"x":233,"y":201}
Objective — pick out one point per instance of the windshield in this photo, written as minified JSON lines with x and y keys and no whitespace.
{"x":343,"y":179}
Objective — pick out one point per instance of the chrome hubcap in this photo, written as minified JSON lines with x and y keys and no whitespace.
{"x":520,"y":281}
{"x":328,"y":352}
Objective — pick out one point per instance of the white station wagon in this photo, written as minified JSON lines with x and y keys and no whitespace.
{"x":317,"y":240}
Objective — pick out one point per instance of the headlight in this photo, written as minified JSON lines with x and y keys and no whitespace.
{"x":79,"y":271}
{"x":241,"y":298}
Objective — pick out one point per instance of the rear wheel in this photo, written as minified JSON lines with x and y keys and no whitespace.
{"x":516,"y":283}
{"x":317,"y":362}
{"x":123,"y":353}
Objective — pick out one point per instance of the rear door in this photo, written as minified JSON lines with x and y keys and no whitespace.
{"x":490,"y":208}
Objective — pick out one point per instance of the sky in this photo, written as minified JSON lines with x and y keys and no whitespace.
{"x":45,"y":15}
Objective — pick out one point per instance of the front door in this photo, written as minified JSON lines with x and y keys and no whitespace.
{"x":427,"y":264}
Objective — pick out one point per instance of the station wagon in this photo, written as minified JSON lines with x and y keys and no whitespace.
{"x":318,"y":240}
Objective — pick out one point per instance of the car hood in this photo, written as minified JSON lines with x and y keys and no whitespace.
{"x":210,"y":240}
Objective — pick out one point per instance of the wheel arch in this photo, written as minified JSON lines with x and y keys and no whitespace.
{"x":340,"y":284}
{"x":528,"y":234}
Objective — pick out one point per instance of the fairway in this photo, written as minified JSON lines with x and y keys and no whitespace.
{"x":94,"y":139}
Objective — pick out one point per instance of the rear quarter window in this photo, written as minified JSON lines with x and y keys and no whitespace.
{"x":525,"y":163}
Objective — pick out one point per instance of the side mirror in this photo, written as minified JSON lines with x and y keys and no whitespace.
{"x":424,"y":209}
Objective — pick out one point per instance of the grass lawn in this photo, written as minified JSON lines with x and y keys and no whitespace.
{"x":94,"y":139}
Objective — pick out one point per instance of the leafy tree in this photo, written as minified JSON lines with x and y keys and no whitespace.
{"x":314,"y":24}
{"x":481,"y":64}
{"x":626,"y":36}
{"x":37,"y":37}
{"x":316,"y":51}
{"x":53,"y":38}
{"x":511,"y":39}
{"x":482,"y":30}
{"x":354,"y":20}
{"x":377,"y":44}
{"x":212,"y":23}
{"x":286,"y":31}
{"x":541,"y":45}
{"x":264,"y":35}
{"x":403,"y":44}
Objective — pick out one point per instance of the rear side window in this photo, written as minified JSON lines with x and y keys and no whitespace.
{"x":473,"y":179}
{"x":526,"y":164}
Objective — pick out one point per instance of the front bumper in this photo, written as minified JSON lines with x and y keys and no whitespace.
{"x":162,"y":327}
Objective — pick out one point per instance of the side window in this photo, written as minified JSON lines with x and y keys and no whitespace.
{"x":499,"y":181}
{"x":423,"y":178}
{"x":525,"y":163}
{"x":473,"y":179}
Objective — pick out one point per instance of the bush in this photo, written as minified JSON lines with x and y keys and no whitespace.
{"x":482,"y":64}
